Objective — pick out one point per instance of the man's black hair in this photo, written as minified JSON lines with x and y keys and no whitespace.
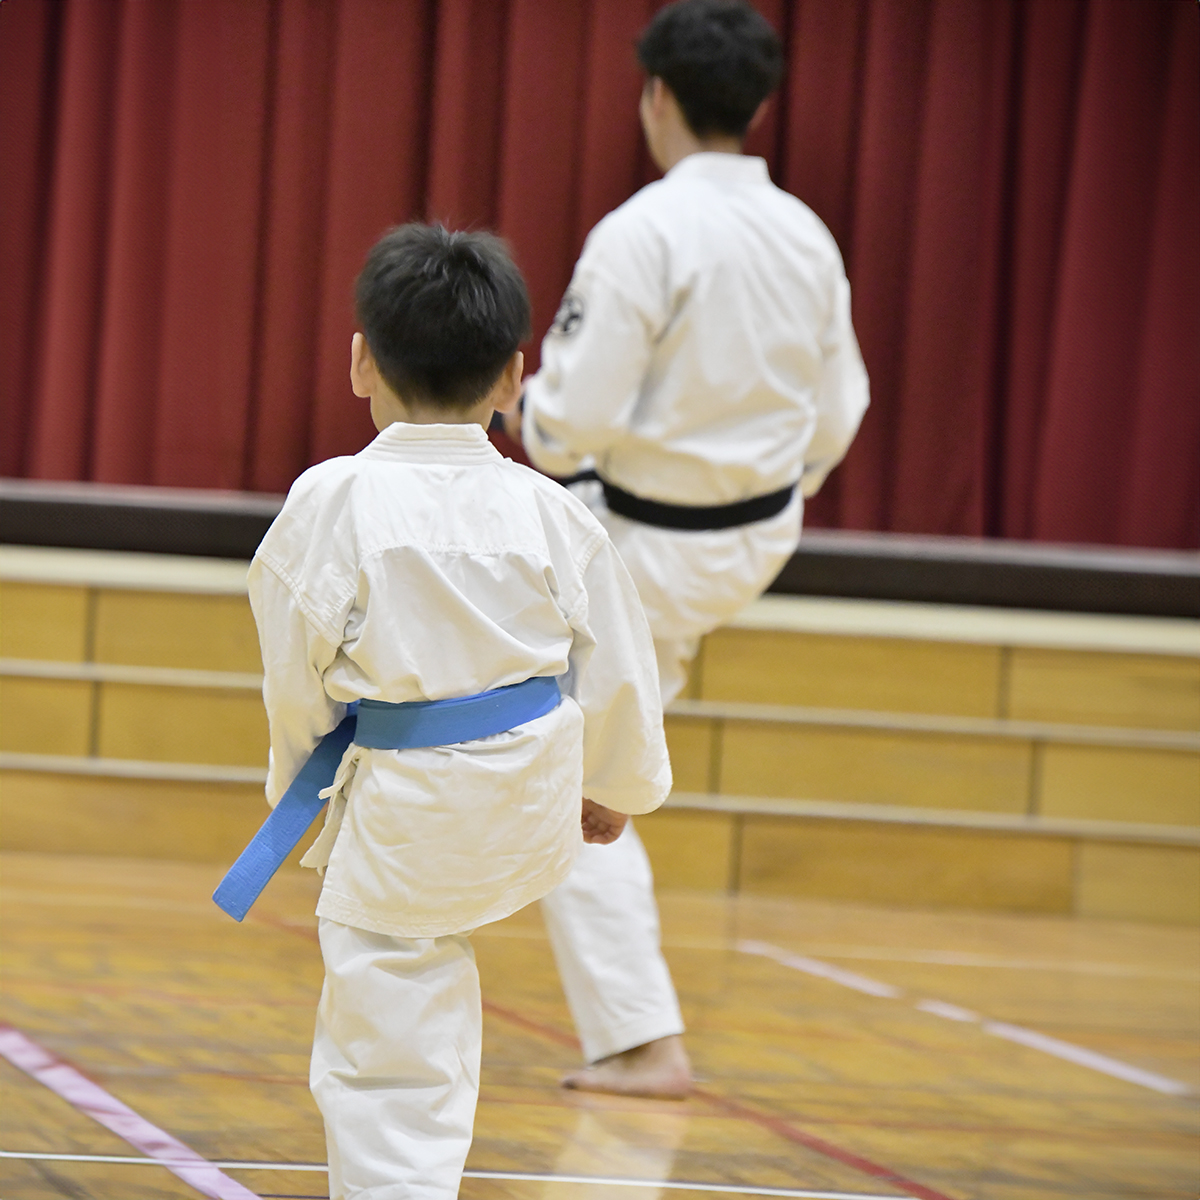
{"x":442,"y":312}
{"x":720,"y":58}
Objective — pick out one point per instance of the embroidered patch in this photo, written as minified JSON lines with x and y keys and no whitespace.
{"x":569,"y":316}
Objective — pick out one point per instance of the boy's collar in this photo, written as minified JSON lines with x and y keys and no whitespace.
{"x":729,"y":168}
{"x":401,"y":442}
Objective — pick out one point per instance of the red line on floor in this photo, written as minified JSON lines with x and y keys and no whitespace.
{"x":93,"y":1101}
{"x":776,"y":1125}
{"x":547,"y":1032}
{"x":792,"y":1133}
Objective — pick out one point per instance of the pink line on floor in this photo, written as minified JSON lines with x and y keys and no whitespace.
{"x":93,"y":1101}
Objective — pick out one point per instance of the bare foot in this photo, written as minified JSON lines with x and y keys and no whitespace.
{"x":660,"y":1069}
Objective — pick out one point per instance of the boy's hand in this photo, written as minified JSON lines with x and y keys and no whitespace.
{"x":601,"y":825}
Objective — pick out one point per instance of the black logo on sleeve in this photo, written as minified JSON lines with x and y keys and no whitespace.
{"x":569,"y":316}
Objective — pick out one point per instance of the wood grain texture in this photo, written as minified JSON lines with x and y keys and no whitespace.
{"x":1141,"y":691}
{"x":896,"y":674}
{"x":690,"y":744}
{"x":43,"y":621}
{"x":923,"y":770}
{"x":176,"y":629}
{"x":1147,"y":883}
{"x":140,"y":818}
{"x":204,"y":1027}
{"x":170,"y":724}
{"x":1113,"y":784}
{"x":791,"y":856}
{"x":905,"y":865}
{"x":45,"y":716}
{"x":689,"y":849}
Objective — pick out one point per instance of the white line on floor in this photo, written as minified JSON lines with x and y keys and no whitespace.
{"x":952,"y":1012}
{"x":814,"y":966}
{"x":938,"y":958}
{"x":1085,"y":1057}
{"x":955,"y":958}
{"x":679,"y":1185}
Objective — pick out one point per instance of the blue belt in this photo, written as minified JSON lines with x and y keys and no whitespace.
{"x":377,"y":726}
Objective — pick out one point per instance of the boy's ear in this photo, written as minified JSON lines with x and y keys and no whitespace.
{"x":759,"y":113}
{"x":364,"y":375}
{"x":508,"y":386}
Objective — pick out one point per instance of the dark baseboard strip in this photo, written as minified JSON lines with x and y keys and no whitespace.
{"x":143,"y":520}
{"x":947,"y":570}
{"x":865,"y":566}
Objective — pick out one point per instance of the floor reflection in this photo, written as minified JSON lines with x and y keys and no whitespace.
{"x":627,"y":1145}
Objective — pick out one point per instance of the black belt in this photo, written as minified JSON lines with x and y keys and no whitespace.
{"x":690,"y":516}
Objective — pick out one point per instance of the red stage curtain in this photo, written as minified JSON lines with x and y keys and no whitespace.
{"x":187,"y":190}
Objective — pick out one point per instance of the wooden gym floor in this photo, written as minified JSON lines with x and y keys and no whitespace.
{"x":844,"y":1051}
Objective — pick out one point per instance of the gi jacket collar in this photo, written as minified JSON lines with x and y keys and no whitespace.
{"x":458,"y":445}
{"x":721,"y":168}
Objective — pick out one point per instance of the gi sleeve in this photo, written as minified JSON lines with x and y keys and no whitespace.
{"x":295,"y":655}
{"x":614,"y":681}
{"x":842,"y":394}
{"x":597,"y":352}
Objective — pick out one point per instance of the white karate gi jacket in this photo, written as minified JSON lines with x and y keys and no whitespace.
{"x":703,"y":353}
{"x":426,"y":567}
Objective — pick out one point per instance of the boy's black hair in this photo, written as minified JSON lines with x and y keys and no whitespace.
{"x":442,"y":312}
{"x":720,"y":58}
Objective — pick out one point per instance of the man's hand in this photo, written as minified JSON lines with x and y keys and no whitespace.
{"x":601,"y":825}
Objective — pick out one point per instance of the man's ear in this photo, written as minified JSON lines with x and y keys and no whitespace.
{"x":759,"y":113}
{"x":364,"y":375}
{"x":508,"y":386}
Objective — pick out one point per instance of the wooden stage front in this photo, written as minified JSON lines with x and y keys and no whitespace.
{"x":844,"y":1051}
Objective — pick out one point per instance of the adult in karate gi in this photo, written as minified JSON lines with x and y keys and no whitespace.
{"x":704,"y":364}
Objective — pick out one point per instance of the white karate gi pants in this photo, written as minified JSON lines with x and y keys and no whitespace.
{"x":395,"y":1064}
{"x":603,"y":919}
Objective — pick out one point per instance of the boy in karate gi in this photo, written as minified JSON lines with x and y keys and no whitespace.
{"x":426,"y":568}
{"x":704,"y":363}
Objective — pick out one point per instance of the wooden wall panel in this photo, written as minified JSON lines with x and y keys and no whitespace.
{"x":79,"y":814}
{"x":1109,"y":783}
{"x":1139,"y":883}
{"x":844,"y":860}
{"x":43,"y":621}
{"x":893,"y":674}
{"x":1141,"y":691}
{"x":176,"y":629}
{"x":165,"y":724}
{"x":922,"y":770}
{"x":688,"y":849}
{"x":45,"y":716}
{"x":690,"y":743}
